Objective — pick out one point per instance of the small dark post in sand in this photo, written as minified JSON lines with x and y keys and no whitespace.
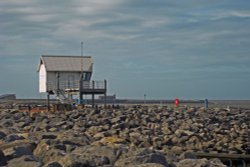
{"x":206,"y":103}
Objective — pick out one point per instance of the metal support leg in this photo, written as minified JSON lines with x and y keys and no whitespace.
{"x":48,"y":102}
{"x":93,"y":100}
{"x":93,"y":94}
{"x":80,"y":92}
{"x":105,"y":100}
{"x":80,"y":98}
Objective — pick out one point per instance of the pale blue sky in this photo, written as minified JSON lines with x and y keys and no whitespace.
{"x":191,"y":49}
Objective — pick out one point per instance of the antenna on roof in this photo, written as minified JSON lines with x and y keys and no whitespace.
{"x":81,"y":48}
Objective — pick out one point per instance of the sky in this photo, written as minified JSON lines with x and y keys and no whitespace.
{"x":190,"y":49}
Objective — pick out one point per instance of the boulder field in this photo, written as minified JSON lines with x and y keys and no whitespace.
{"x":142,"y":136}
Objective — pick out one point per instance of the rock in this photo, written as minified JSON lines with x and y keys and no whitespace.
{"x":200,"y":163}
{"x":176,"y":149}
{"x":59,"y":123}
{"x":67,"y":127}
{"x":72,"y":160}
{"x":53,"y":129}
{"x":24,"y":161}
{"x":49,"y":136}
{"x":111,"y":136}
{"x":188,"y":133}
{"x":52,"y":155}
{"x":24,"y":135}
{"x":150,"y":165}
{"x":188,"y":155}
{"x":99,"y":135}
{"x":60,"y":147}
{"x":122,"y":125}
{"x":171,"y":158}
{"x":70,"y":138}
{"x":2,"y":135}
{"x":47,"y":153}
{"x":18,"y":151}
{"x":216,"y":162}
{"x":53,"y":164}
{"x":2,"y":159}
{"x":13,"y":137}
{"x":134,"y":137}
{"x":101,"y":155}
{"x":21,"y":124}
{"x":115,"y":120}
{"x":141,"y":156}
{"x":112,"y":140}
{"x":175,"y":140}
{"x":194,"y":139}
{"x":166,"y":130}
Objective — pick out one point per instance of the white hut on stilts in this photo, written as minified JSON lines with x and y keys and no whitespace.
{"x":66,"y":75}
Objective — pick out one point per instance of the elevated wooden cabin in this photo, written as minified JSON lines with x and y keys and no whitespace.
{"x":62,"y":75}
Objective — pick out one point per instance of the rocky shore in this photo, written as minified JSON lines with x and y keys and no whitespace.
{"x":131,"y":136}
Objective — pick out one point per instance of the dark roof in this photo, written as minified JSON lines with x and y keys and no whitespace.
{"x":66,"y":63}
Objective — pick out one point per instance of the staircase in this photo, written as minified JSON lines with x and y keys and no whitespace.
{"x":60,"y":96}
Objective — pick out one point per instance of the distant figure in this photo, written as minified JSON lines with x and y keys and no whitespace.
{"x":73,"y":106}
{"x":29,"y":107}
{"x":206,"y":103}
{"x":176,"y":102}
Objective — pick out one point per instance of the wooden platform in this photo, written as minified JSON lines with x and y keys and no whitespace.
{"x":69,"y":88}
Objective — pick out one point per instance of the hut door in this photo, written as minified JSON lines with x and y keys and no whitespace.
{"x":87,"y":76}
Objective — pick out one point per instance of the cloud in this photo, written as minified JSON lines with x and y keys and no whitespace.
{"x":40,"y":17}
{"x":140,"y":39}
{"x":243,"y":14}
{"x":215,"y":14}
{"x":92,"y":7}
{"x":16,"y":2}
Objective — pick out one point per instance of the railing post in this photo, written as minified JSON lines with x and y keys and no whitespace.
{"x":93,"y":85}
{"x":105,"y":94}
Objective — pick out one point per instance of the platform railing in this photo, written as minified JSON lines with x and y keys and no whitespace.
{"x":74,"y":85}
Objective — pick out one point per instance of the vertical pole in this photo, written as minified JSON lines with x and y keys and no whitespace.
{"x":48,"y":102}
{"x":93,"y":94}
{"x":145,"y":98}
{"x":105,"y":94}
{"x":81,"y":48}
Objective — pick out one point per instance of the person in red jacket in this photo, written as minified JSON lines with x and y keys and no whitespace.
{"x":176,"y":102}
